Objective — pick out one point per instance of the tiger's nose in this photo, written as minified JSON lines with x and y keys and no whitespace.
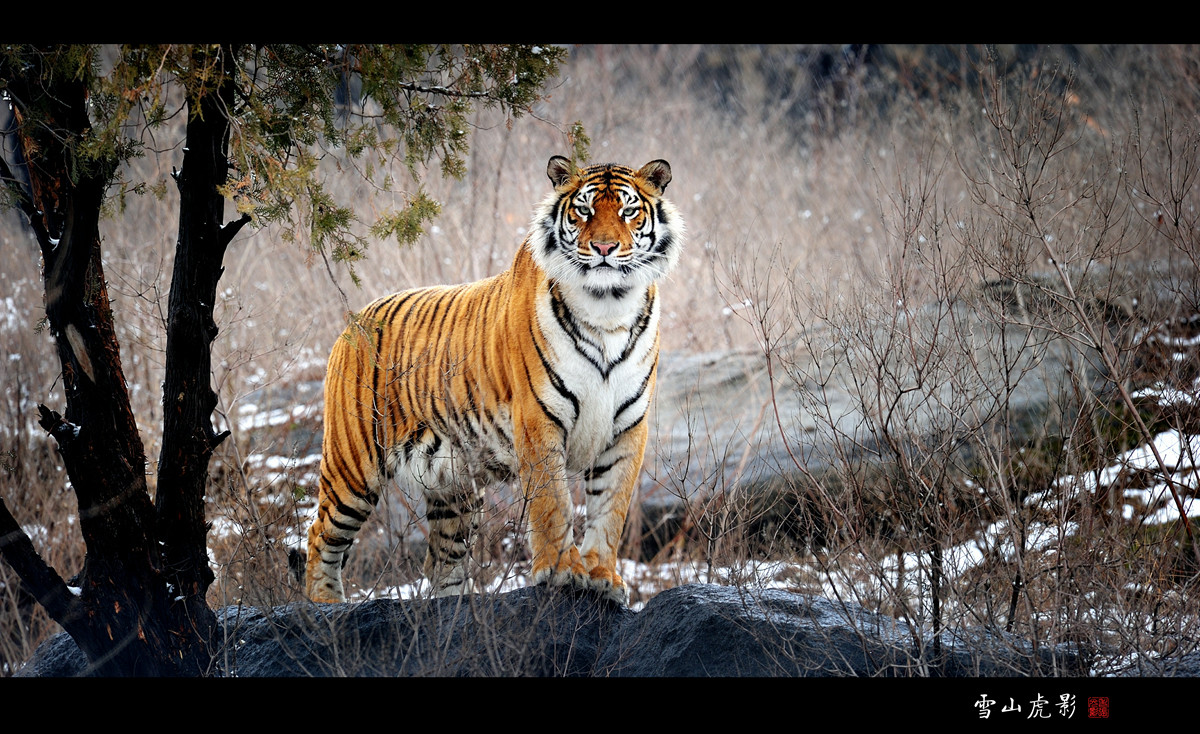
{"x":604,"y":248}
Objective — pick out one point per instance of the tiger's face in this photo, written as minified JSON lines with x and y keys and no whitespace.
{"x":607,"y":230}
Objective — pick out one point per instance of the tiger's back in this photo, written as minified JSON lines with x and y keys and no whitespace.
{"x":545,"y":369}
{"x":399,"y":382}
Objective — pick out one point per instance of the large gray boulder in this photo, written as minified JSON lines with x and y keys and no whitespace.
{"x":694,"y":630}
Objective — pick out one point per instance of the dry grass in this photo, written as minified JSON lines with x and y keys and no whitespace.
{"x":812,"y":185}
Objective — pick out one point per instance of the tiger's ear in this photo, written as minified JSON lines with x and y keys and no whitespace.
{"x":561,"y":171}
{"x":657,"y":173}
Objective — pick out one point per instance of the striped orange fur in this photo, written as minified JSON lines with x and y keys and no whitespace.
{"x":543,"y":370}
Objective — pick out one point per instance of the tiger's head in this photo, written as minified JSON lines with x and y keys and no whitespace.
{"x":607,"y":231}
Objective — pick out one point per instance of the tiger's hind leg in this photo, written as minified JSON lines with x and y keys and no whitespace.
{"x":454,"y":515}
{"x":353,"y":467}
{"x":339,"y":518}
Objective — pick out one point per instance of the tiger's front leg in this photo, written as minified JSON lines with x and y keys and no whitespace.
{"x":556,"y":560}
{"x":609,"y":487}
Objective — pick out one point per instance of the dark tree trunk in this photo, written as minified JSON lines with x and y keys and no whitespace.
{"x":188,"y":398}
{"x":118,"y":615}
{"x":140,"y":607}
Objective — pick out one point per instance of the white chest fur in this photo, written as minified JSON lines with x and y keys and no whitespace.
{"x":603,"y":371}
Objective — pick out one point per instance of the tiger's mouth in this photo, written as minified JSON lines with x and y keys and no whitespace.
{"x":608,"y":267}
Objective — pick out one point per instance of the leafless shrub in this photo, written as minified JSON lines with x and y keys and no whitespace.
{"x":993,"y":364}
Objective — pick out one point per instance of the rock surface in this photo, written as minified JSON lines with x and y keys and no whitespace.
{"x":694,"y":630}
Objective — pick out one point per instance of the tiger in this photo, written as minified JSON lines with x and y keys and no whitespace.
{"x":544,"y":371}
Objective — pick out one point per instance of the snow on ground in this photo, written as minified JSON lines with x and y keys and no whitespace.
{"x":252,"y":418}
{"x":1155,"y":504}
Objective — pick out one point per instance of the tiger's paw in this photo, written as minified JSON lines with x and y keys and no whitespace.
{"x":569,"y":571}
{"x":327,"y":592}
{"x":466,"y":586}
{"x":610,"y":585}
